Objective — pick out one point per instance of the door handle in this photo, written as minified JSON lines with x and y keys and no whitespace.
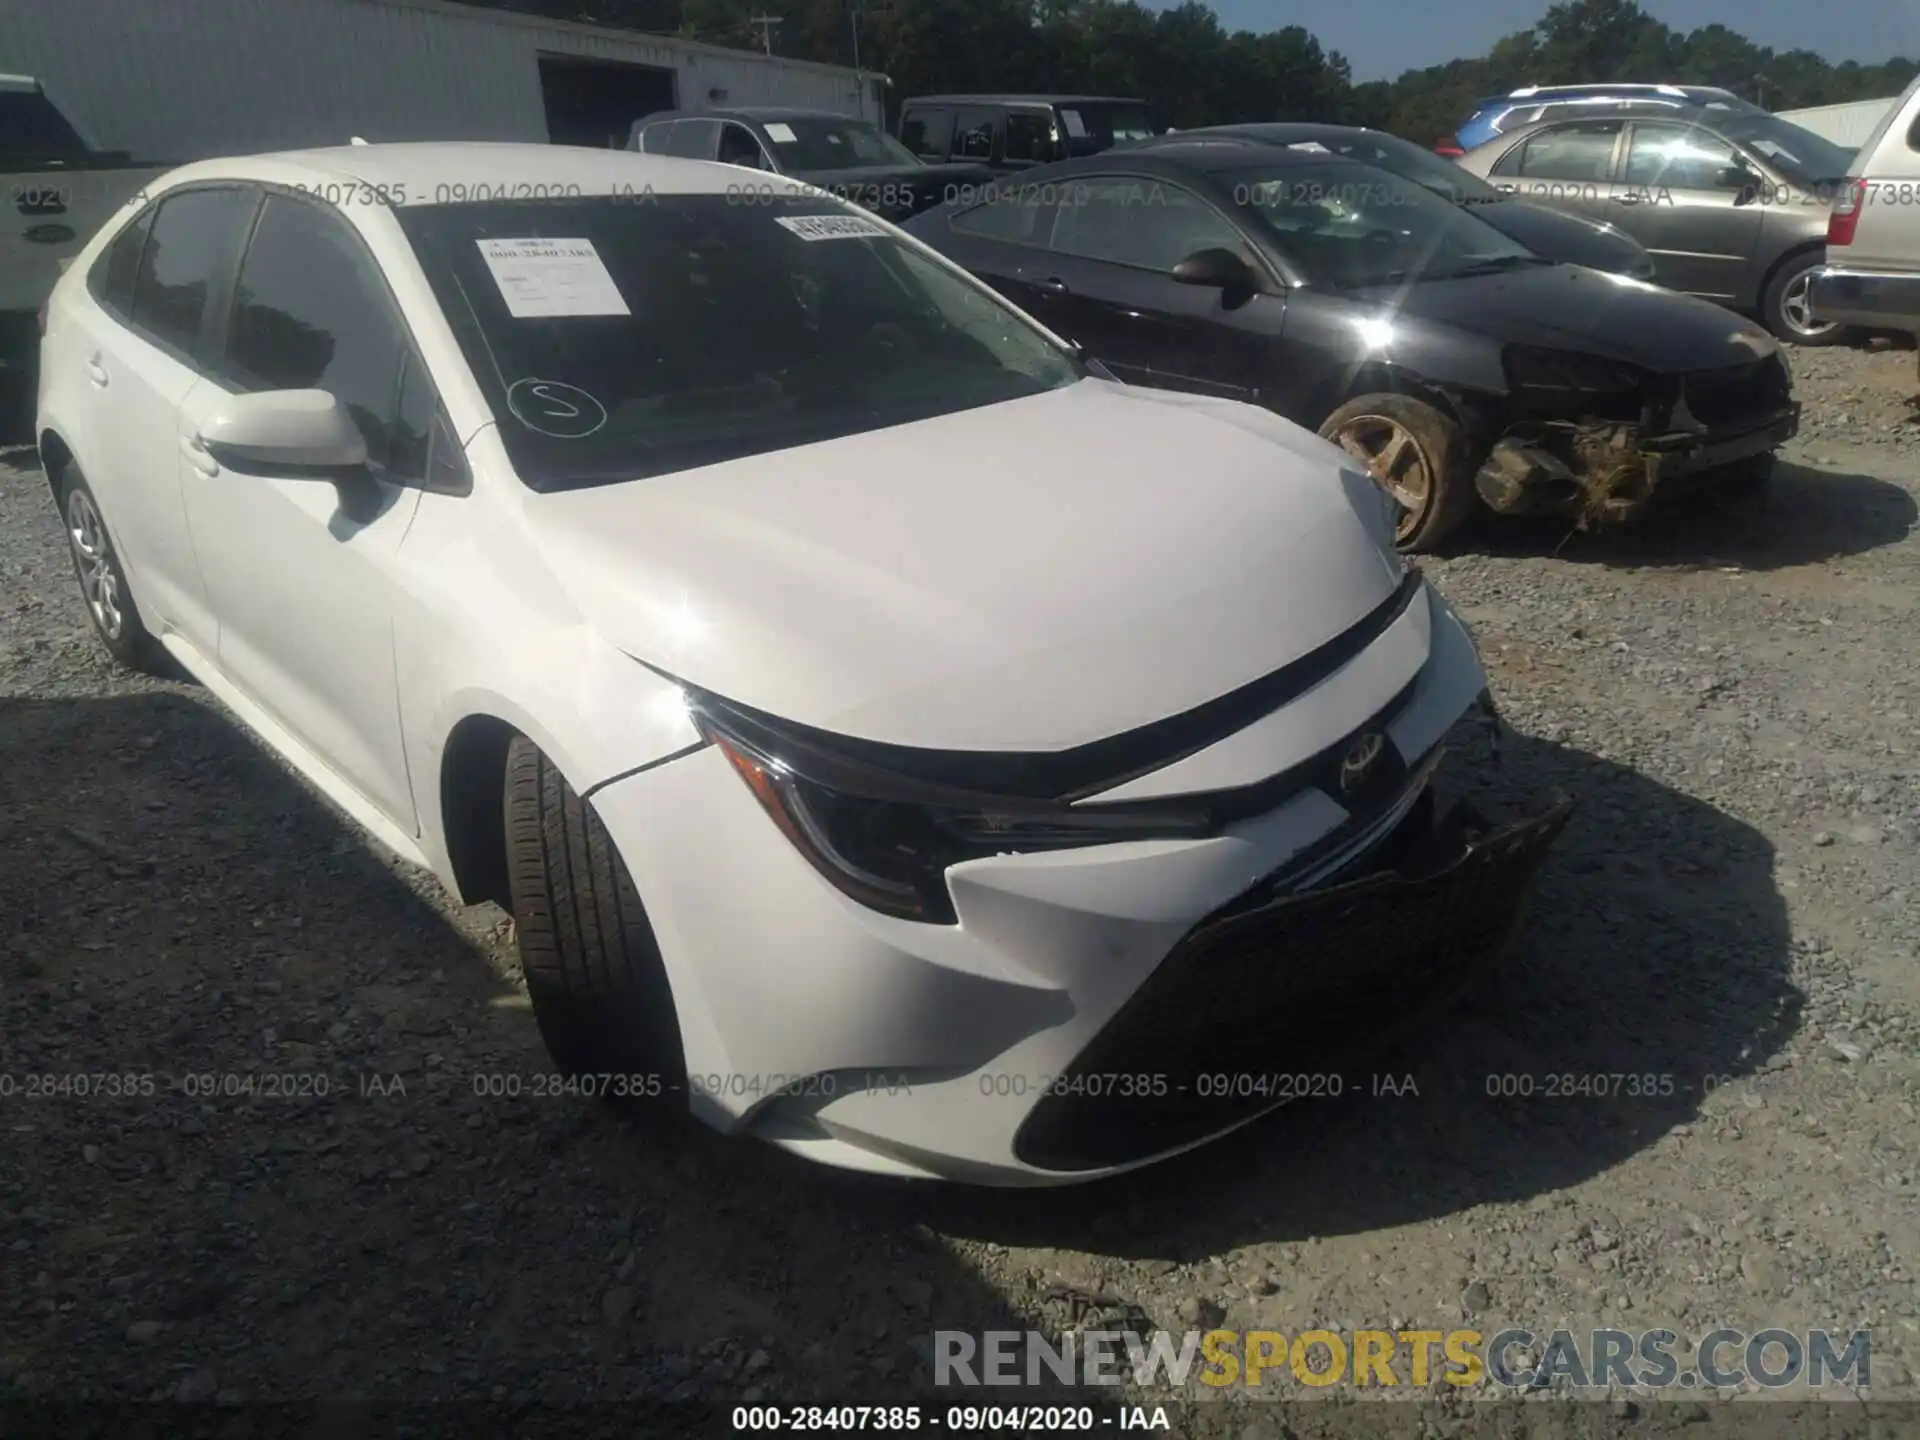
{"x":1627,"y":199}
{"x":1052,"y":285}
{"x":97,"y":373}
{"x":196,"y":452}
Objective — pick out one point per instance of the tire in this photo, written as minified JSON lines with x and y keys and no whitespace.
{"x":1412,"y":440}
{"x":1784,"y":299}
{"x":599,"y":989}
{"x":102,"y":578}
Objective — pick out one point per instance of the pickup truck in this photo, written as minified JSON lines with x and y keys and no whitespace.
{"x":57,"y":189}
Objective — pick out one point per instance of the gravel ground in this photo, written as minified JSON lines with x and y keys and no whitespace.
{"x":1731,"y":692}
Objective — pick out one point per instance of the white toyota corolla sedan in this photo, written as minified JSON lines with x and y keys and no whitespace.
{"x":893,"y":738}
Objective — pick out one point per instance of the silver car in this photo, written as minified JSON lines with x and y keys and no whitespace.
{"x":1732,"y":206}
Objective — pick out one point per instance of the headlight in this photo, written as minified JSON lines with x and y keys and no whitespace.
{"x":886,"y":839}
{"x":1569,"y":371}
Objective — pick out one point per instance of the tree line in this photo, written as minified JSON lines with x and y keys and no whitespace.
{"x":1197,"y":72}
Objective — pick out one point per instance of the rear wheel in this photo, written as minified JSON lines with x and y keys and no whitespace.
{"x":103,"y":583}
{"x":1414,"y":453}
{"x":1787,"y":307}
{"x":593,"y":968}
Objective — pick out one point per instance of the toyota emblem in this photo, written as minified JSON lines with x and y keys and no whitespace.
{"x":1358,"y":766}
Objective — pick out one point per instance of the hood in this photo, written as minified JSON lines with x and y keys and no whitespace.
{"x":1027,"y":576}
{"x":1568,"y":307}
{"x":1569,"y":239}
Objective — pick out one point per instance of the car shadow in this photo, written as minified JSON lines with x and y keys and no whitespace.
{"x":290,"y":1141}
{"x":1657,"y":946}
{"x":1805,"y":516}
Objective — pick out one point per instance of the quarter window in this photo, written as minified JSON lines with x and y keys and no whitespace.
{"x":311,"y":313}
{"x":191,"y":242}
{"x":1141,"y":222}
{"x":113,"y":275}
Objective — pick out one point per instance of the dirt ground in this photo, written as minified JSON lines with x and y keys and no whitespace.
{"x":1731,"y":693}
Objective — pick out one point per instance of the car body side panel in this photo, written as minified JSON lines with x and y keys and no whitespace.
{"x":481,"y":628}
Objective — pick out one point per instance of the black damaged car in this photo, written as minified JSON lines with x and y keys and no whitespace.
{"x":1457,"y":365}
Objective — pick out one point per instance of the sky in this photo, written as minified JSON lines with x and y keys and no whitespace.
{"x":1381,"y":38}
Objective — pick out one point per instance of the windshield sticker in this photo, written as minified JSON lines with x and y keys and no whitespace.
{"x":831,"y":227}
{"x":1076,"y":127}
{"x":542,"y":279}
{"x":547,"y":407}
{"x":781,"y":133}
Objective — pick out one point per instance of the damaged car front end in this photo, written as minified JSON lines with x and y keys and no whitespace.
{"x":1597,"y":439}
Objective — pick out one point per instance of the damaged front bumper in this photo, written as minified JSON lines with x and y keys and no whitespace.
{"x":1271,"y":997}
{"x":1608,"y":472}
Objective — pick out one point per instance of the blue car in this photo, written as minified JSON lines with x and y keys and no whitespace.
{"x":1495,"y":114}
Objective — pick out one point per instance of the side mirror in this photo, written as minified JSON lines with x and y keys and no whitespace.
{"x":285,"y":430}
{"x":1218,"y":269}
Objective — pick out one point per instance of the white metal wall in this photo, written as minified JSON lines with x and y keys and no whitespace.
{"x":186,"y":79}
{"x":1848,"y":124}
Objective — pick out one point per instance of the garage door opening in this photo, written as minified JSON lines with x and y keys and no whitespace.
{"x":592,"y":102}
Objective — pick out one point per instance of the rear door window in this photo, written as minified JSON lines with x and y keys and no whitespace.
{"x":1582,"y":152}
{"x":927,"y":133}
{"x":189,"y":250}
{"x":694,"y":139}
{"x":973,"y":134}
{"x":1029,"y":137}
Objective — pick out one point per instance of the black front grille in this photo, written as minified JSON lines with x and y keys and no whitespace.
{"x":1259,"y":996}
{"x":1739,"y":393}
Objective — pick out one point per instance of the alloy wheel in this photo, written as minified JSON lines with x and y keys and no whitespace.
{"x":93,"y":559}
{"x":1395,"y":461}
{"x":1796,"y":308}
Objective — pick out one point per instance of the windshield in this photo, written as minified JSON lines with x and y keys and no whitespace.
{"x":1348,"y":225}
{"x":821,"y":144}
{"x":617,"y":340}
{"x":1802,"y":156}
{"x":1403,"y":158}
{"x":1091,"y":128}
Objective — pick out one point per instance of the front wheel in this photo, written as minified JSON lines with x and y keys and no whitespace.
{"x":1414,"y":453}
{"x":599,"y":988}
{"x":1787,"y":307}
{"x":103,"y":584}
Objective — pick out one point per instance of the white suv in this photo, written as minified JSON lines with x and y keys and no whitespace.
{"x":893,"y":739}
{"x":1872,"y":274}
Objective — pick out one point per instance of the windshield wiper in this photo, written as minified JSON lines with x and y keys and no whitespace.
{"x":1491,"y":265}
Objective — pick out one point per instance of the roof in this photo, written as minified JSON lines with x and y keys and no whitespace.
{"x":1529,"y":91}
{"x":1024,"y":100}
{"x":453,"y":172}
{"x":758,"y":113}
{"x":1203,"y":156}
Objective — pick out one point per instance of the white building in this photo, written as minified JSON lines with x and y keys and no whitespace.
{"x":1846,"y":125}
{"x":186,"y":79}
